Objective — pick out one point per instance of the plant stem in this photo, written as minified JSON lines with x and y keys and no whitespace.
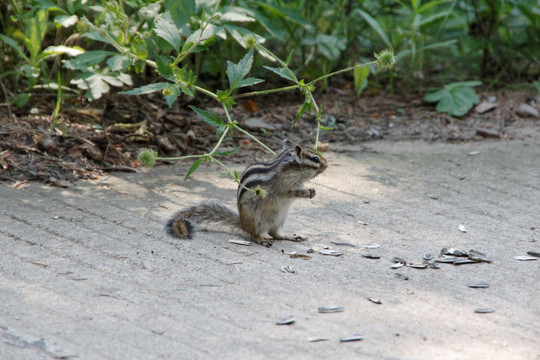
{"x":178,"y":158}
{"x":342,"y":71}
{"x":183,"y":55}
{"x":204,"y":91}
{"x":255,"y":139}
{"x":262,"y":92}
{"x":219,"y":141}
{"x":229,"y":172}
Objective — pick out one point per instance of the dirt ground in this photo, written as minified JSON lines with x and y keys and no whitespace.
{"x":87,"y":271}
{"x":106,"y":135}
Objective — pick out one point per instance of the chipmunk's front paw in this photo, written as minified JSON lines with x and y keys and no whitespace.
{"x":311,"y":193}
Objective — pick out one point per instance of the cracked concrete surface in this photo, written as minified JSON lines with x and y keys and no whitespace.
{"x":88,"y":273}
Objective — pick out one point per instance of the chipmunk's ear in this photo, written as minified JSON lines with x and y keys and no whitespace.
{"x":298,"y":150}
{"x":287,"y":144}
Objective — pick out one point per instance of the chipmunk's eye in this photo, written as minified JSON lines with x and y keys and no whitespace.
{"x":316,"y":159}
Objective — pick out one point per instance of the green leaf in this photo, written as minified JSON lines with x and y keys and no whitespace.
{"x":35,"y":29}
{"x":289,"y":57}
{"x":291,"y":16}
{"x":49,"y":5}
{"x":226,"y":153}
{"x":89,"y":58}
{"x":434,"y":17}
{"x":376,"y":26}
{"x":236,"y":14}
{"x":360,"y":75}
{"x":283,"y":72}
{"x":150,"y":11}
{"x":171,"y":99}
{"x":164,"y":66}
{"x":463,"y":84}
{"x":307,"y":105}
{"x":181,"y":10}
{"x":330,"y":45}
{"x":146,"y":89}
{"x":237,"y":72}
{"x":93,"y":82}
{"x":193,"y":168}
{"x":166,"y":29}
{"x":200,"y":37}
{"x":21,"y":99}
{"x":61,"y":49}
{"x":118,"y":62}
{"x":66,"y":20}
{"x":95,"y":35}
{"x":431,"y":4}
{"x":209,"y":117}
{"x":455,"y":99}
{"x":9,"y":41}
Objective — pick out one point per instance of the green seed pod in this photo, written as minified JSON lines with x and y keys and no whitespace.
{"x":261,"y":192}
{"x":250,"y":41}
{"x":386,"y":59}
{"x":147,"y":157}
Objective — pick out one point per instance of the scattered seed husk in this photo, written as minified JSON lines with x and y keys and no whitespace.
{"x":479,"y":258}
{"x":462,"y":228}
{"x":446,"y":259}
{"x":533,"y":253}
{"x":331,"y":252}
{"x":300,"y":256}
{"x":417,"y":265}
{"x":443,"y":251}
{"x":428,"y":256}
{"x":288,"y":253}
{"x":241,"y":242}
{"x":310,"y":251}
{"x":433,"y":265}
{"x":484,"y":310}
{"x":401,"y":276}
{"x":317,"y":339}
{"x":464,"y":261}
{"x":376,"y":301}
{"x":350,"y":338}
{"x":456,"y":252}
{"x":343,"y":243}
{"x":370,"y":247}
{"x":397,"y":259}
{"x":525,"y":258}
{"x":287,"y":320}
{"x":478,"y":285}
{"x":331,"y":309}
{"x":397,"y":265}
{"x":288,"y":269}
{"x":476,"y":253}
{"x":371,"y":256}
{"x":362,"y":223}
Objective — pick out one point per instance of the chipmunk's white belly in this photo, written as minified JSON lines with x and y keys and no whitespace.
{"x":275,"y":214}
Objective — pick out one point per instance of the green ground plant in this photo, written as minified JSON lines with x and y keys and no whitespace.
{"x":94,"y":47}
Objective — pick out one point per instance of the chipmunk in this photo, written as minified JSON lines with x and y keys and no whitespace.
{"x":281,"y":178}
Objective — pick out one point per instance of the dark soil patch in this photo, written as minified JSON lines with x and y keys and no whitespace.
{"x":106,"y":135}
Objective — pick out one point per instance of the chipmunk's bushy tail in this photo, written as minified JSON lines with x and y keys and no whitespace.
{"x":208,"y":215}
